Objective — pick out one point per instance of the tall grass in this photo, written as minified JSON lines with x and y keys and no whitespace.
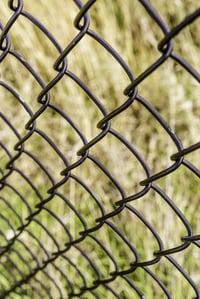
{"x":170,"y":89}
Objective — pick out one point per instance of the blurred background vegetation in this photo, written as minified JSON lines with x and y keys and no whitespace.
{"x":170,"y":89}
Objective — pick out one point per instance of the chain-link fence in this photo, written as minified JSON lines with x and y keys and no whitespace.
{"x":99,"y":186}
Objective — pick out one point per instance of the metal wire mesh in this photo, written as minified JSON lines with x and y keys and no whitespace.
{"x":59,"y":239}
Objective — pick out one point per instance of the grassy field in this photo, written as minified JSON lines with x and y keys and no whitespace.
{"x":170,"y":90}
